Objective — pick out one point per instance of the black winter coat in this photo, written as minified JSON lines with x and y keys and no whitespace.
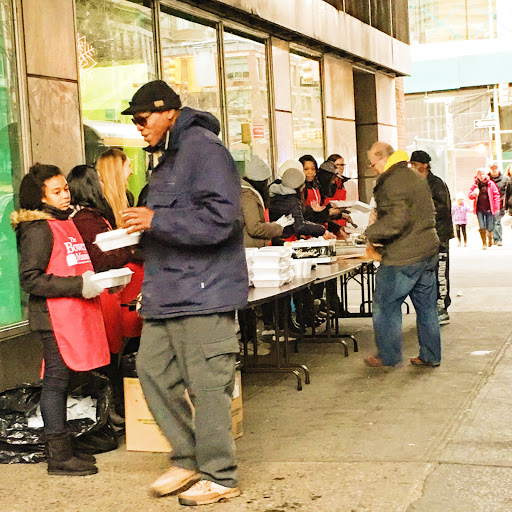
{"x":285,"y":201}
{"x":35,"y":245}
{"x":501,"y":182}
{"x":443,"y":206}
{"x":194,"y":253}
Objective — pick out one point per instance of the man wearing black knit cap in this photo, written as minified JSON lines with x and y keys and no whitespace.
{"x":195,"y":278}
{"x":420,"y":160}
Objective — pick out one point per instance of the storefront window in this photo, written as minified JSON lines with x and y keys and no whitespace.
{"x":116,"y":56}
{"x":190,"y":62}
{"x":452,"y":20}
{"x":11,"y":310}
{"x":247,"y":99}
{"x":306,"y":107}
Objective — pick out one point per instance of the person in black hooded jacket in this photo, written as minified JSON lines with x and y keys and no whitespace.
{"x":420,"y":160}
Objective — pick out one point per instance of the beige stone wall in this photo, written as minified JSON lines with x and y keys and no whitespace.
{"x":339,"y":111}
{"x":282,"y":101}
{"x":400,"y":113}
{"x":52,"y":82}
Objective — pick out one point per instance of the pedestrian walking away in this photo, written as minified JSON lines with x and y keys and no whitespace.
{"x":403,"y":236}
{"x":195,"y":278}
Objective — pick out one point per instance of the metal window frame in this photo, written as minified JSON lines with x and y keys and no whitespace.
{"x":20,"y":328}
{"x":221,"y":26}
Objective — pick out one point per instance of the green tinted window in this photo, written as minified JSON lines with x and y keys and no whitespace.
{"x":11,"y":310}
{"x":116,"y":56}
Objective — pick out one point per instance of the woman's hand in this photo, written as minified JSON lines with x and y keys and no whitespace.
{"x":315,"y":206}
{"x":335,"y":212}
{"x":329,"y":236}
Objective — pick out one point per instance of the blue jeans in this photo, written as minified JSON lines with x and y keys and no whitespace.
{"x":485,"y":220}
{"x":54,"y":394}
{"x":392,"y":286}
{"x":497,"y":233}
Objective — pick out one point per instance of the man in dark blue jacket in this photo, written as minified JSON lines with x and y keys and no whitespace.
{"x":195,"y":278}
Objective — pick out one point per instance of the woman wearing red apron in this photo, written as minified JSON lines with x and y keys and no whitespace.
{"x":316,"y":208}
{"x":56,"y":271}
{"x":92,"y":214}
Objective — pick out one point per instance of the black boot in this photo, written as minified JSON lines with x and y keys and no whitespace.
{"x":61,"y":460}
{"x":79,"y":454}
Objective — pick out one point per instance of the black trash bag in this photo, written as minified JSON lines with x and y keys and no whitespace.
{"x":16,"y":453}
{"x":16,"y":405}
{"x":97,"y":441}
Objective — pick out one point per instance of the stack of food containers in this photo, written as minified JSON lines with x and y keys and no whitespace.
{"x":270,"y":267}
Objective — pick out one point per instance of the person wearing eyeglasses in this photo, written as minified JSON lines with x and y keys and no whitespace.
{"x":195,"y":278}
{"x":405,"y":238}
{"x":339,"y":163}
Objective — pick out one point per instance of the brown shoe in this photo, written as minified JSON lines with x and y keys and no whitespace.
{"x":416,"y":361}
{"x":376,"y":362}
{"x":205,"y":492}
{"x":175,"y":479}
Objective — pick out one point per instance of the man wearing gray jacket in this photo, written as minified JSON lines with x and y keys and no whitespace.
{"x":405,"y":238}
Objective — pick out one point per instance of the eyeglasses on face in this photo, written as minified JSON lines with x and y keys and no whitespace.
{"x":141,"y":119}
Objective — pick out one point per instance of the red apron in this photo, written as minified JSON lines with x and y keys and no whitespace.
{"x":313,"y":194}
{"x":339,"y":195}
{"x":77,"y":323}
{"x":113,"y":317}
{"x":131,"y":320}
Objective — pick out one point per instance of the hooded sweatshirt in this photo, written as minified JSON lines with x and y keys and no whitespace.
{"x":405,"y":225}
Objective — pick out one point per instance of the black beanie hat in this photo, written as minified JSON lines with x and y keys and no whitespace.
{"x":422,"y":157}
{"x":155,"y":96}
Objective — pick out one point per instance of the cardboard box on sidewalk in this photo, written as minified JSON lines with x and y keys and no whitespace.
{"x":142,"y":432}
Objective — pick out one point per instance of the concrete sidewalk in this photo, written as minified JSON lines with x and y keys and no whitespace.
{"x":356,"y":439}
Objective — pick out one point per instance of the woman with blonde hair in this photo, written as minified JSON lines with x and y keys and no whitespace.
{"x":114,"y":167}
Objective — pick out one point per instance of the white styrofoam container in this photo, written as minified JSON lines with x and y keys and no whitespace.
{"x":269,"y":273}
{"x":116,"y":239}
{"x":350,"y":249}
{"x":114,"y":277}
{"x":269,"y":259}
{"x":352,"y":205}
{"x":269,"y":283}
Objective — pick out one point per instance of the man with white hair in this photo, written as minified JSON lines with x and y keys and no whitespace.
{"x":404,"y":238}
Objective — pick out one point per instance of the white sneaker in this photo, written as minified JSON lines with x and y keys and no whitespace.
{"x":173,"y":480}
{"x":205,"y":492}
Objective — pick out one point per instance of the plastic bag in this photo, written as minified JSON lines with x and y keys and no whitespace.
{"x":20,"y":443}
{"x":506,"y":220}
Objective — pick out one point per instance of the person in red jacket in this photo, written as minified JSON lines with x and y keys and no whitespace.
{"x":63,"y":307}
{"x":486,"y":203}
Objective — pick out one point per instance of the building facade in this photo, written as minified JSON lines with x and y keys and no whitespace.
{"x":459,"y":95}
{"x":285,"y":78}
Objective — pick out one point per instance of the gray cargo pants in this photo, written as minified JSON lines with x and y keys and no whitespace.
{"x":198,"y":354}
